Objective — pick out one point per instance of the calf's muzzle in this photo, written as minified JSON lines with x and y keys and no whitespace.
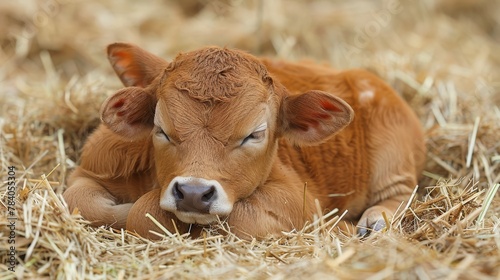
{"x":194,"y":198}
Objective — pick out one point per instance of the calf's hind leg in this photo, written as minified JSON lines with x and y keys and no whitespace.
{"x":398,"y":157}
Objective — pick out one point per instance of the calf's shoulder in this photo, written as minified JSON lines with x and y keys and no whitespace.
{"x":124,"y":167}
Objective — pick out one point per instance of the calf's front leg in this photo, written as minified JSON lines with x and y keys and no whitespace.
{"x":272,"y":209}
{"x":95,"y":203}
{"x":149,"y":203}
{"x":269,"y":211}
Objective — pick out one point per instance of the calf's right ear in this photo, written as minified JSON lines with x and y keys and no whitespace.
{"x":134,"y":65}
{"x":314,"y":116}
{"x":129,"y":112}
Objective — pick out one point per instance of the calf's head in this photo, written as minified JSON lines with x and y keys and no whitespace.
{"x":214,"y":116}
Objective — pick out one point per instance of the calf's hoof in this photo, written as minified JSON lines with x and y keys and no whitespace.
{"x":373,"y":220}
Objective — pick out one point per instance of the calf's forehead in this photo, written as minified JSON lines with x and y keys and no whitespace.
{"x":215,"y":74}
{"x":214,"y":89}
{"x":187,"y":117}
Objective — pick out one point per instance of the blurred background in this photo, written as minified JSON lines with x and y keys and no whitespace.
{"x":443,"y":56}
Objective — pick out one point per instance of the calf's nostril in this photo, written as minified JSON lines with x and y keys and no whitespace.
{"x":209,"y":194}
{"x":194,"y":198}
{"x":177,"y":192}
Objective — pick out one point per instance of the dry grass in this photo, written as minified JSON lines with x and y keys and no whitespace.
{"x":441,"y":55}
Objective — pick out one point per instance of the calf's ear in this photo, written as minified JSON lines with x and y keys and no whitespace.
{"x":314,"y":116}
{"x":129,"y":112}
{"x":135,"y":66}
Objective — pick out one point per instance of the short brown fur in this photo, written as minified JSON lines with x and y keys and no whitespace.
{"x":208,"y":100}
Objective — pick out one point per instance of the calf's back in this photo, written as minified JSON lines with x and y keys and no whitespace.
{"x":385,"y":139}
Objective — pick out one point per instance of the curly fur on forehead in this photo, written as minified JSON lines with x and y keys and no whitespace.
{"x":216,"y":74}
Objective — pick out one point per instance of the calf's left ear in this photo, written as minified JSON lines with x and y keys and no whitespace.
{"x":314,"y":116}
{"x":129,"y":112}
{"x":135,"y":66}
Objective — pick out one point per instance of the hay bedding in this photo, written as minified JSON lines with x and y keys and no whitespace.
{"x":441,"y":55}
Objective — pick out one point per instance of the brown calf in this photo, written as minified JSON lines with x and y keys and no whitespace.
{"x":218,"y":133}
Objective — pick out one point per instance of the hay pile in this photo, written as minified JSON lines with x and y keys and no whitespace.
{"x":442,"y":56}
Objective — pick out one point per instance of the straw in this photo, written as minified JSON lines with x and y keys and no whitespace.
{"x":441,"y":56}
